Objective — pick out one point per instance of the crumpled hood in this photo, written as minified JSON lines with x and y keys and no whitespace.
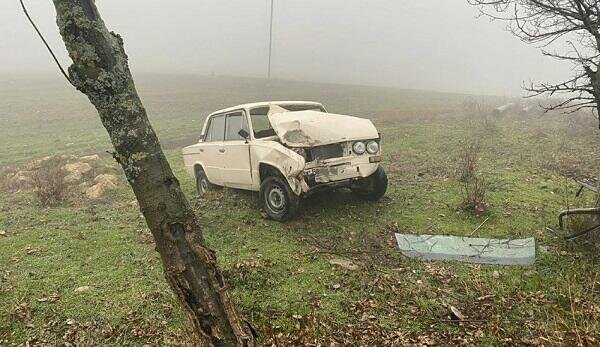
{"x":313,"y":128}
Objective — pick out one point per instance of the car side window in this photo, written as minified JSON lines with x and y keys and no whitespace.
{"x":235,"y":122}
{"x":216,"y":129}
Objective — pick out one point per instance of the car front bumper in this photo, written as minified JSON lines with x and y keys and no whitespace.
{"x":337,"y":171}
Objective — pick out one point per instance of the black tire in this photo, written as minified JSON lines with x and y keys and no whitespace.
{"x":203,"y":185}
{"x":277,"y":199}
{"x":372,"y":188}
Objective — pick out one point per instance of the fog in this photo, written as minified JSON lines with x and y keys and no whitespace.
{"x":434,"y":45}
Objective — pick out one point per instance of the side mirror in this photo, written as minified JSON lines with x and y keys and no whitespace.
{"x":244,"y":134}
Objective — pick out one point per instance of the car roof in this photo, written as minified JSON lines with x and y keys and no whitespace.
{"x":265,"y":103}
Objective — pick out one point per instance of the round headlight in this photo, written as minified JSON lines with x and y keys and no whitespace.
{"x":359,"y":147}
{"x":372,"y":147}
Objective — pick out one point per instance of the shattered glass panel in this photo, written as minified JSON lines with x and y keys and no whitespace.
{"x":468,"y":249}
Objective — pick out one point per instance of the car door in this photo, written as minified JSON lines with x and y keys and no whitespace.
{"x":212,"y":151}
{"x":236,"y":171}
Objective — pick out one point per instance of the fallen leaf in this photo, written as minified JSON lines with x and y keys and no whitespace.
{"x":456,"y":312}
{"x":488,"y":296}
{"x":336,"y":286}
{"x":23,"y":313}
{"x":81,"y":289}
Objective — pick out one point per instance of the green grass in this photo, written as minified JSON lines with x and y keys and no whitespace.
{"x":280,"y":271}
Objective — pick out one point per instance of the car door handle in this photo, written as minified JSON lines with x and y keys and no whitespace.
{"x":201,"y":150}
{"x":222,"y":150}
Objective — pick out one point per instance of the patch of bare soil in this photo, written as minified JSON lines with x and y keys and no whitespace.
{"x":61,"y":180}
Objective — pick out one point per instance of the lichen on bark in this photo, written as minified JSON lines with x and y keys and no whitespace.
{"x":100,"y":70}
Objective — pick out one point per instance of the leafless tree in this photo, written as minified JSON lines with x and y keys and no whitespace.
{"x":546,"y":22}
{"x":100,"y":70}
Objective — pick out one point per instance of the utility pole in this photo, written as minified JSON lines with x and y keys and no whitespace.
{"x":270,"y":41}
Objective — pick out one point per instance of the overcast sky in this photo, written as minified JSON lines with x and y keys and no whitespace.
{"x":426,"y":44}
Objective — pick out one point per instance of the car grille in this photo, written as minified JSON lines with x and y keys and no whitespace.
{"x":334,"y":150}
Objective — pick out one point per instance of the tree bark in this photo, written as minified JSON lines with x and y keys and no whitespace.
{"x":100,"y":70}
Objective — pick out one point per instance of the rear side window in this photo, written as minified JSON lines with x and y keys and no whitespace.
{"x":235,"y":122}
{"x":216,"y":129}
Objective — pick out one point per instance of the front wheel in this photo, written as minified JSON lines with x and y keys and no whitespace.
{"x":277,"y":199}
{"x":203,"y":185}
{"x":372,"y":188}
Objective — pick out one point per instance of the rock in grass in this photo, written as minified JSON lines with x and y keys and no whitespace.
{"x":344,"y":263}
{"x":73,"y":177}
{"x":82,"y":289}
{"x":78,"y":167}
{"x":102,"y":183}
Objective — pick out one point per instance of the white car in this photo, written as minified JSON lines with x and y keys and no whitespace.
{"x":287,"y":150}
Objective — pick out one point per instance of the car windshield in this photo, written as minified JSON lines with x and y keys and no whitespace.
{"x":303,"y":107}
{"x":260,"y":120}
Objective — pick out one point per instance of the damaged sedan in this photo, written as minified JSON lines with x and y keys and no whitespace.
{"x":287,"y":150}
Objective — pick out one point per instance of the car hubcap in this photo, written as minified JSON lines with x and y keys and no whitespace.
{"x":276,"y":198}
{"x":203,"y":185}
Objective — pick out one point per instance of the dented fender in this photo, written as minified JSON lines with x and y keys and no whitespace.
{"x":289,"y":163}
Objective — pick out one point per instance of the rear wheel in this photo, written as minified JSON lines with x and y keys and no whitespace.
{"x":372,"y":188}
{"x":203,"y":185}
{"x":277,"y":199}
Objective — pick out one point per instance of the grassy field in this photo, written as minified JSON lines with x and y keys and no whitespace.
{"x":282,"y":274}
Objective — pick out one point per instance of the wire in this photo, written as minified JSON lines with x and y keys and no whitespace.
{"x":45,"y":43}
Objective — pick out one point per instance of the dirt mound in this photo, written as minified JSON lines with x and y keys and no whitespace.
{"x":102,"y":183}
{"x":76,"y":171}
{"x":92,"y":157}
{"x":58,"y":179}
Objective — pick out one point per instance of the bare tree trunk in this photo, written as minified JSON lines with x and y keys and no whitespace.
{"x":100,"y":71}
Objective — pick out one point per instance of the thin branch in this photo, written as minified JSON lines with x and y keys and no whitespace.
{"x":45,"y":43}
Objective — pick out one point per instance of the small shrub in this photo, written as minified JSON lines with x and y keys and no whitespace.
{"x":479,"y":114}
{"x":473,"y":185}
{"x":468,"y":162}
{"x":580,"y":124}
{"x":48,"y":183}
{"x":474,"y":194}
{"x":7,"y":180}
